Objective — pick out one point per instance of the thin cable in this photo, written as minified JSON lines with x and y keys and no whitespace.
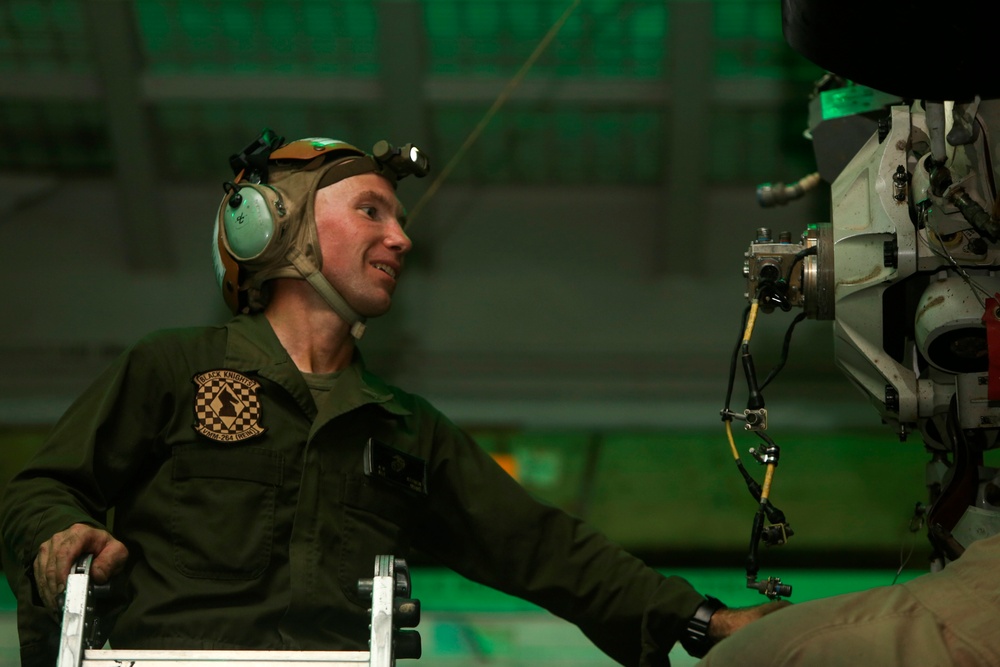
{"x":942,"y":252}
{"x":751,"y":321}
{"x":732,"y":442}
{"x":499,"y":102}
{"x":799,"y":256}
{"x":784,"y":351}
{"x":765,"y":492}
{"x":754,"y":399}
{"x":904,"y":558}
{"x":733,"y":360}
{"x":904,"y":554}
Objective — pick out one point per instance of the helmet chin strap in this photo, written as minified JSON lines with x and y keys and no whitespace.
{"x":315,"y":277}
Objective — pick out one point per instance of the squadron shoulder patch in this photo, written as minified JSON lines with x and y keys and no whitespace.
{"x":226,"y":406}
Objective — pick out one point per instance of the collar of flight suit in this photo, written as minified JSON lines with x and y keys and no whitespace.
{"x":252,"y":346}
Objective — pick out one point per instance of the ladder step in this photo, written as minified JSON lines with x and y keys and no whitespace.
{"x":159,"y":658}
{"x":388,"y":589}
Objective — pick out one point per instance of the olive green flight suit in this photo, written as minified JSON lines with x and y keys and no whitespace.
{"x":249,"y":517}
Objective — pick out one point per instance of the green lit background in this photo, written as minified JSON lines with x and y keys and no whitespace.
{"x":596,"y":365}
{"x":210,"y":72}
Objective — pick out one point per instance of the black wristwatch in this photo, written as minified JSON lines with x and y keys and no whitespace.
{"x":695,"y":636}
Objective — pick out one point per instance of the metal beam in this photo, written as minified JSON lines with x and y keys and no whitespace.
{"x":157,"y":88}
{"x":402,"y":68}
{"x":50,"y":86}
{"x":402,"y":109}
{"x":677,"y":248}
{"x":114,"y":40}
{"x":216,"y":88}
{"x":480,"y":90}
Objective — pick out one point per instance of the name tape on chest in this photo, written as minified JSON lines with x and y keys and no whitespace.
{"x":226,"y":406}
{"x":395,"y":467}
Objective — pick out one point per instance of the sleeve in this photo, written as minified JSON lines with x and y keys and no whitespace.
{"x":484,"y":525}
{"x":75,"y":477}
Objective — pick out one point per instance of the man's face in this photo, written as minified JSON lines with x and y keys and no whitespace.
{"x":359,"y":224}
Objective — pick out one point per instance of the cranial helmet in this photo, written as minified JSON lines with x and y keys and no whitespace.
{"x":266,"y":226}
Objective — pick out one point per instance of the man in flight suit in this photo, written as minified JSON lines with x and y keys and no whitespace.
{"x":256,"y":468}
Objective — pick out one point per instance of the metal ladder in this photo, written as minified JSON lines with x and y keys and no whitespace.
{"x":391,"y":610}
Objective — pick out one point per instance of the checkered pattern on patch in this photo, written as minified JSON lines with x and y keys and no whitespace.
{"x":246,"y":406}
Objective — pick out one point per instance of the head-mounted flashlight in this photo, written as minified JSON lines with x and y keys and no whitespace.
{"x":252,"y":164}
{"x":403,"y":161}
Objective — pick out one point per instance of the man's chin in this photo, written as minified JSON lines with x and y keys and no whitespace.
{"x":375,"y":309}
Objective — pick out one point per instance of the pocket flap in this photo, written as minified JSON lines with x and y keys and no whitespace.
{"x":251,"y":464}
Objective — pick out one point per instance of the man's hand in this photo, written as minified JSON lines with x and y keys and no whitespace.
{"x":727,"y":621}
{"x":56,"y":558}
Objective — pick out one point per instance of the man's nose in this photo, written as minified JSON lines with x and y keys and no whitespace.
{"x":397,"y":239}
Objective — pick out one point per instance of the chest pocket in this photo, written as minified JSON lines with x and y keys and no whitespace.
{"x":378,"y":520}
{"x":222,"y":514}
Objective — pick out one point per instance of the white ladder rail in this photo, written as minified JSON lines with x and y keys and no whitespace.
{"x":391,"y":578}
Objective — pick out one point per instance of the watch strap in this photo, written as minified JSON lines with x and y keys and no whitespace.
{"x":695,"y":638}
